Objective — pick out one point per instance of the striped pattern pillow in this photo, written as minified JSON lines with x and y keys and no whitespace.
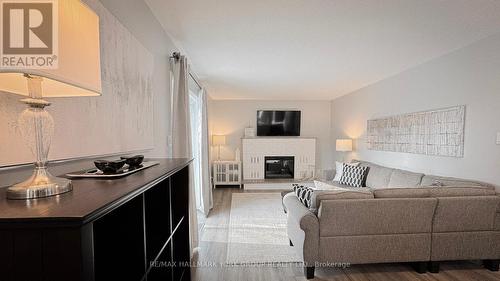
{"x":353,"y":176}
{"x":304,"y":194}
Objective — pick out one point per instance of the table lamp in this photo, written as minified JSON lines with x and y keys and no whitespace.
{"x":77,"y":74}
{"x":344,"y":145}
{"x":218,"y":140}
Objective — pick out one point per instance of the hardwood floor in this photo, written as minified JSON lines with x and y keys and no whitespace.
{"x":213,"y":247}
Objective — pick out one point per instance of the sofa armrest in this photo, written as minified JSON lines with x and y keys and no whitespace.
{"x":302,"y":228}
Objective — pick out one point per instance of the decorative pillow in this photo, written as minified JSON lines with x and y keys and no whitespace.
{"x":319,"y":185}
{"x":339,"y":169}
{"x":304,"y":194}
{"x":353,"y":176}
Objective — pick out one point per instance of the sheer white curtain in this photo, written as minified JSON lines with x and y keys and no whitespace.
{"x":195,"y":118}
{"x":200,"y":146}
{"x":206,"y":186}
{"x":181,"y":134}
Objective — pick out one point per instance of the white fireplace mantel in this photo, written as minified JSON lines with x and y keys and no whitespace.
{"x":254,"y":151}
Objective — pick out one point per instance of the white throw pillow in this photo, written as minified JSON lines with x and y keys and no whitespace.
{"x":319,"y":185}
{"x":339,"y":169}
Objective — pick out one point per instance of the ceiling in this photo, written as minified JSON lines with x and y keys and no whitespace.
{"x":316,"y":49}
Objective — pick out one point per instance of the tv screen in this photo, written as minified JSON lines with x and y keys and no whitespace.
{"x":278,"y":123}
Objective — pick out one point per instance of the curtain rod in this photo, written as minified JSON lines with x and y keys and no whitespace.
{"x":176,"y":56}
{"x":195,"y":79}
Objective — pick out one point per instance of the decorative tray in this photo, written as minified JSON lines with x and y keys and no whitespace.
{"x":125,"y":171}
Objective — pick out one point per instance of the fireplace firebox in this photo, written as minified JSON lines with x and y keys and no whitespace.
{"x":279,"y":167}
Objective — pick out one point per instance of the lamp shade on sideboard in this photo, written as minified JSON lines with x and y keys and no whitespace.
{"x":78,"y":71}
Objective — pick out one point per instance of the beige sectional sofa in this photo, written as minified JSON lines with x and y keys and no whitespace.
{"x":400,"y":217}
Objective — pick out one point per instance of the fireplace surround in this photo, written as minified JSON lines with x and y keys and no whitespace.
{"x":254,"y":151}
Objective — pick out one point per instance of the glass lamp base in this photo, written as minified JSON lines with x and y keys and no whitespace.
{"x":40,"y":184}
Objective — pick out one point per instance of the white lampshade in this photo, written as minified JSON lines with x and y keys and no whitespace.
{"x":218,"y":140}
{"x":79,"y":70}
{"x":344,"y":145}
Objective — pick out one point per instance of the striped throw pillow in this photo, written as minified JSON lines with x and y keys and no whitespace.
{"x":304,"y":194}
{"x":353,"y":176}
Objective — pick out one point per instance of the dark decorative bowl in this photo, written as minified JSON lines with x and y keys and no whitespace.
{"x":109,"y":167}
{"x":133,"y":161}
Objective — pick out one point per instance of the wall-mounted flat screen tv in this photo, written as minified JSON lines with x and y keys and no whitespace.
{"x":278,"y":123}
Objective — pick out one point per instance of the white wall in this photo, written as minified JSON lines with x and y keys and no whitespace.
{"x":230,"y":117}
{"x":136,"y":16}
{"x":91,"y":126}
{"x":129,"y":116}
{"x":469,"y":76}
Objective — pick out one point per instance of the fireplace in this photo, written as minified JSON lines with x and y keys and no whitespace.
{"x":279,"y":167}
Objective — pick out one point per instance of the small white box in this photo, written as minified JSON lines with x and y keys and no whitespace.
{"x":498,"y":138}
{"x":249,"y":132}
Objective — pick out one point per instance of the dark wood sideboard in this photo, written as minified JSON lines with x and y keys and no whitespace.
{"x":131,"y":228}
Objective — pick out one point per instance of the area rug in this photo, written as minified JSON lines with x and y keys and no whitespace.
{"x":257,"y":230}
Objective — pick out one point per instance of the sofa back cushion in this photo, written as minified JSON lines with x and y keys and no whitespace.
{"x":320,"y":195}
{"x":374,"y":217}
{"x":401,"y":178}
{"x":460,"y":191}
{"x":378,"y":176}
{"x":327,"y":174}
{"x":334,"y":185}
{"x":429,"y":180}
{"x":459,"y":214}
{"x":418,"y":192}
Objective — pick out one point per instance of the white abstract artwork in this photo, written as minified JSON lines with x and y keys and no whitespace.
{"x":437,"y":132}
{"x":121,"y":120}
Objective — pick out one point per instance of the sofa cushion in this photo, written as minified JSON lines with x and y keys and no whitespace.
{"x":342,"y":194}
{"x":339,"y":194}
{"x":419,"y":192}
{"x":401,"y":178}
{"x":378,"y":176}
{"x":362,"y":249}
{"x":337,"y":185}
{"x":465,"y":245}
{"x":326,"y":175}
{"x":376,"y":216}
{"x":333,"y":185}
{"x":429,"y":180}
{"x":460,"y":191}
{"x":456,"y":214}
